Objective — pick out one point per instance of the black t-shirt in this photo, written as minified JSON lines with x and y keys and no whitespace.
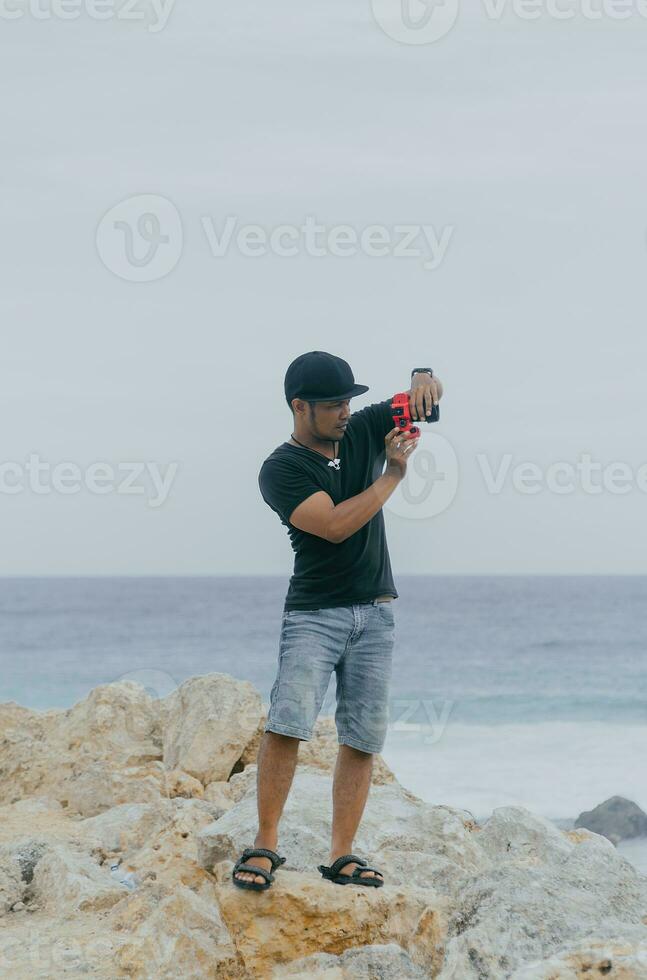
{"x":358,"y":569}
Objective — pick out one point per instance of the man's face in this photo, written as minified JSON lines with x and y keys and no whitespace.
{"x":329,"y":419}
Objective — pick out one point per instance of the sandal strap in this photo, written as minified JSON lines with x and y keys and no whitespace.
{"x":253,"y":870}
{"x":345,"y":859}
{"x":263,"y":852}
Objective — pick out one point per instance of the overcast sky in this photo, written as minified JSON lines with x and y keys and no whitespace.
{"x":520,"y":145}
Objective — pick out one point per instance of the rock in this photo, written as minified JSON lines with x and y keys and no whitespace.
{"x":616,"y":958}
{"x":12,"y":884}
{"x":301,"y":915}
{"x":117,"y":722}
{"x":219,"y":794}
{"x":25,"y":757}
{"x":183,"y":936}
{"x":178,"y":783}
{"x":68,"y":881}
{"x":208,"y":721}
{"x":99,"y":787}
{"x":416,"y":844}
{"x":164,"y":842}
{"x":242,"y":783}
{"x":89,"y":757}
{"x":520,"y":838}
{"x":378,"y":962}
{"x":617,"y":819}
{"x":543,"y":890}
{"x":250,"y":751}
{"x":18,"y":907}
{"x":116,"y":828}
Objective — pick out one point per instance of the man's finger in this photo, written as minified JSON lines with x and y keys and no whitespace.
{"x":421,"y":403}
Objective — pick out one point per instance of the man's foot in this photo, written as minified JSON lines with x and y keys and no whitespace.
{"x":262,"y":862}
{"x":248,"y":876}
{"x":348,"y":869}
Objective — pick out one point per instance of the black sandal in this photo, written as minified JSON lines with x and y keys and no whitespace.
{"x":253,"y":869}
{"x":332,"y":872}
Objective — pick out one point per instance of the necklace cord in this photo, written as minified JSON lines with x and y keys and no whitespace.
{"x":314,"y":450}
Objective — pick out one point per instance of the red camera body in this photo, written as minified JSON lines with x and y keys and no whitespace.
{"x":402,"y":415}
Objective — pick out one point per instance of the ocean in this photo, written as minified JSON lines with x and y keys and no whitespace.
{"x":526,"y":691}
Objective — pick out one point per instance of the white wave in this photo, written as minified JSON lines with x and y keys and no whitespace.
{"x":556,"y":769}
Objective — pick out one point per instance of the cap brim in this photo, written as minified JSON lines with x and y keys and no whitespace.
{"x":355,"y":390}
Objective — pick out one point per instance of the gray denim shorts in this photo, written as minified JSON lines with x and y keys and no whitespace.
{"x":356,"y":642}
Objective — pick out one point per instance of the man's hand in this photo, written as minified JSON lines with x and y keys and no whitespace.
{"x":425,"y":392}
{"x":398,"y":450}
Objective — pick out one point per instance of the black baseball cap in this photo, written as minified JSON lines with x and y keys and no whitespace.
{"x":320,"y":377}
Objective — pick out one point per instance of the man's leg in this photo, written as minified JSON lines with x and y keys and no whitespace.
{"x":363,"y":683}
{"x":310,"y":644}
{"x":277,"y":759}
{"x":351,"y":784}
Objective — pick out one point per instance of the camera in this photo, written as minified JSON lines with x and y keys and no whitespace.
{"x":402,"y":415}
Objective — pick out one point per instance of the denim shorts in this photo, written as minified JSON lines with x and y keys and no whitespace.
{"x":356,"y":642}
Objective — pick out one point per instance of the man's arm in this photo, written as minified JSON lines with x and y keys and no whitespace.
{"x":425,"y":392}
{"x":319,"y":515}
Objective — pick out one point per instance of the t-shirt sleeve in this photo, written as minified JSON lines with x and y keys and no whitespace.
{"x":284,"y":486}
{"x":376,"y":420}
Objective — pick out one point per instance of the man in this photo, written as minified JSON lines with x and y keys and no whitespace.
{"x":327,"y":486}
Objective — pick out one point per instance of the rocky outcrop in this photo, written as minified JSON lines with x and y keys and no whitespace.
{"x":617,"y":819}
{"x":119,"y":745}
{"x":619,"y":959}
{"x":361,"y":963}
{"x":117,"y":844}
{"x":207,"y":724}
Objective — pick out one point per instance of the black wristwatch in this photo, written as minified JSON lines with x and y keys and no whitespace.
{"x":422,"y":371}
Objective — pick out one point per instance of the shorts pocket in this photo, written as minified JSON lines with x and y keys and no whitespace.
{"x":385,"y":612}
